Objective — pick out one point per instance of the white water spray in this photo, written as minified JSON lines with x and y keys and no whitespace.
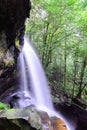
{"x":39,"y":95}
{"x":37,"y":77}
{"x":23,"y":79}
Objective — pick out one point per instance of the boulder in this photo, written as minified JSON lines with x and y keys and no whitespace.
{"x":29,"y":119}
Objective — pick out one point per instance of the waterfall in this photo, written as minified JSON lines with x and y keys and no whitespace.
{"x":33,"y":82}
{"x":34,"y":89}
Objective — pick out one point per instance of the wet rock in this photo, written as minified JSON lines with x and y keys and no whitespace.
{"x":28,"y":114}
{"x":45,"y":121}
{"x":75,"y":116}
{"x":29,"y":119}
{"x":12,"y":23}
{"x":58,"y":124}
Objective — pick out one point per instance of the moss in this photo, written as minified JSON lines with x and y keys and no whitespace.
{"x":3,"y":106}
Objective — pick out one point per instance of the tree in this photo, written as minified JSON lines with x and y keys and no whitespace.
{"x":58,"y":31}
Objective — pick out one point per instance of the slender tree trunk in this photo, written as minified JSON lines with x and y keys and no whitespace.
{"x":81,"y":76}
{"x":74,"y":78}
{"x":45,"y":42}
{"x":65,"y":60}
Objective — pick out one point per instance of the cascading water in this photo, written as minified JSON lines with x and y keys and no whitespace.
{"x":34,"y":89}
{"x":31,"y":68}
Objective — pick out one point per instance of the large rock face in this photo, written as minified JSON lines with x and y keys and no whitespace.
{"x":13,"y":14}
{"x":12,"y":19}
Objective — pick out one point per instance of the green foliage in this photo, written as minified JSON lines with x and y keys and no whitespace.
{"x":3,"y":106}
{"x":58,"y":29}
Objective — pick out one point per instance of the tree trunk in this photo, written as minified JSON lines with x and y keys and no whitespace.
{"x":65,"y":60}
{"x":81,"y":76}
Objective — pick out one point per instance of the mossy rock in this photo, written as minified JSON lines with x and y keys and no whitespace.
{"x":28,"y":114}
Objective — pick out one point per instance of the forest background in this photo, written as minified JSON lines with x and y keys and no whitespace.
{"x":58,"y":30}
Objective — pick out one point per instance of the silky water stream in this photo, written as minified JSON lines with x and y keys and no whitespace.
{"x":34,"y":88}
